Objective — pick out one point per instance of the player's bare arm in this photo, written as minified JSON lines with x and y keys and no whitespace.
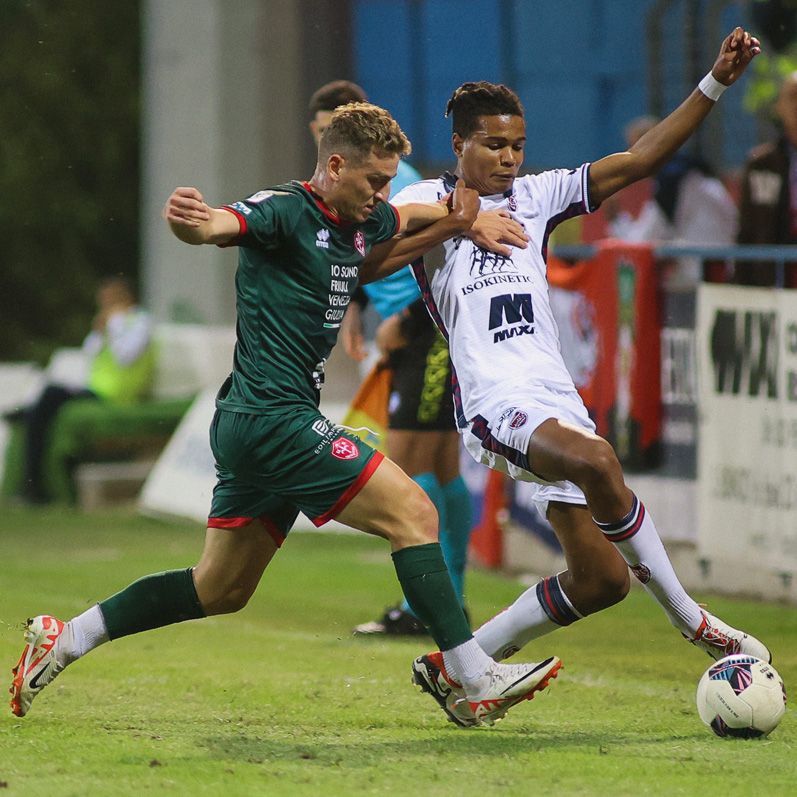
{"x":351,"y":333}
{"x":193,"y":221}
{"x":651,"y":152}
{"x":390,"y":256}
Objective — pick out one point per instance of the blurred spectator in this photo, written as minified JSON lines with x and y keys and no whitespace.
{"x":769,"y":193}
{"x":689,"y":205}
{"x":341,"y":92}
{"x":121,"y":367}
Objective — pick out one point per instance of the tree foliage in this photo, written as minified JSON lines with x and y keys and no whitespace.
{"x":69,"y":171}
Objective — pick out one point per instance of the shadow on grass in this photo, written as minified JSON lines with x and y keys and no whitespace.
{"x":474,"y":744}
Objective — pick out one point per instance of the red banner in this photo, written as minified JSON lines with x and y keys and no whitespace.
{"x":607,"y":310}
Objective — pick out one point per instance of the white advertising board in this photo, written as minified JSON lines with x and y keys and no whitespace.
{"x":747,"y":442}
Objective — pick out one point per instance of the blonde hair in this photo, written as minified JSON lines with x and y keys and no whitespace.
{"x":359,"y":128}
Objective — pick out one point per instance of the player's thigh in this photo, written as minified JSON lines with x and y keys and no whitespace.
{"x":392,"y":506}
{"x":232,"y":563}
{"x":447,"y":460}
{"x":558,"y":449}
{"x":414,"y":451}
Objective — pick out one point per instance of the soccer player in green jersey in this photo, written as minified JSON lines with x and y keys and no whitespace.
{"x":302,"y":249}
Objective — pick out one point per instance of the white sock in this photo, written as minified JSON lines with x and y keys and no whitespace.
{"x":467,"y":663}
{"x":538,"y":611}
{"x":638,"y":541}
{"x":80,"y":635}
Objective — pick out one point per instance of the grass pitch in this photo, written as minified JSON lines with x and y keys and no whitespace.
{"x":281,"y":700}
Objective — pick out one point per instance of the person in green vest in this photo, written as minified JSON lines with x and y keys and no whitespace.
{"x":121,"y":368}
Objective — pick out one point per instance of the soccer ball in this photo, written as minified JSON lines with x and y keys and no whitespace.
{"x":741,"y":696}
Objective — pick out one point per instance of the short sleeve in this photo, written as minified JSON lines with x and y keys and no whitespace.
{"x":266,"y":218}
{"x":561,"y":193}
{"x":422,"y":191}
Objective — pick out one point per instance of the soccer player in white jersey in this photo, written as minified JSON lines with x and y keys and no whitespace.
{"x":518,"y":410}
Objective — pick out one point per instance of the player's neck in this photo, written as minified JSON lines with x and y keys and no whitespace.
{"x":321,"y":193}
{"x":458,"y":173}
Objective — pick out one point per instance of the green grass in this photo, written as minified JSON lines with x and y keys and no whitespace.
{"x":281,"y":700}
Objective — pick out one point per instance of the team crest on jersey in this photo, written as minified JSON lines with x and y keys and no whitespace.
{"x":322,"y":238}
{"x":359,"y":242}
{"x":343,"y":448}
{"x":511,"y":203}
{"x":518,"y":419}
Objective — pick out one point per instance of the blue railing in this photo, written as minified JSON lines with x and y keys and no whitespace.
{"x":779,"y":255}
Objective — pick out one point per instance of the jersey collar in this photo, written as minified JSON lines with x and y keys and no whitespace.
{"x":323,"y":207}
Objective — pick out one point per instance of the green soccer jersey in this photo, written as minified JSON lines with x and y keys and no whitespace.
{"x":298,"y":266}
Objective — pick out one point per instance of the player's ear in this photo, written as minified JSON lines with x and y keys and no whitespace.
{"x":457,"y":144}
{"x":335,"y":164}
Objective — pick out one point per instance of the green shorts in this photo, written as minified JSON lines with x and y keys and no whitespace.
{"x":271,"y":467}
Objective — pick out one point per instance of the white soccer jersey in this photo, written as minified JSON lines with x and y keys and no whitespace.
{"x":495,"y":310}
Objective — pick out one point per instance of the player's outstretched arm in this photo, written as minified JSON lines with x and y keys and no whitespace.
{"x":651,"y":152}
{"x":193,"y":221}
{"x":390,"y":256}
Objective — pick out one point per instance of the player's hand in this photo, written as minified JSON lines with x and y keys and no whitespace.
{"x":736,"y":52}
{"x":495,"y":228}
{"x":186,"y":207}
{"x":351,"y":333}
{"x":464,"y":205}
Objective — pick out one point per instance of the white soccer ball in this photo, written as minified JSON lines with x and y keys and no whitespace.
{"x":741,"y":696}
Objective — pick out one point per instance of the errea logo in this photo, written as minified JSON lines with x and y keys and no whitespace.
{"x":322,"y":239}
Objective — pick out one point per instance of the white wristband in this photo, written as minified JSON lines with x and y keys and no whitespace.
{"x":711,"y":87}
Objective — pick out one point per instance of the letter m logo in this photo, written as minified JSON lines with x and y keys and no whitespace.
{"x":744,"y":352}
{"x":515,"y":307}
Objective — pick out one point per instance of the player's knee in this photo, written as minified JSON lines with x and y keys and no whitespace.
{"x":219,"y":596}
{"x":604,"y":583}
{"x":603,"y":590}
{"x":418,"y":524}
{"x":227,"y":603}
{"x":597,"y":465}
{"x":613,"y":585}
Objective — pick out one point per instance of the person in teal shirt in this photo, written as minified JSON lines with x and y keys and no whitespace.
{"x":422,"y":437}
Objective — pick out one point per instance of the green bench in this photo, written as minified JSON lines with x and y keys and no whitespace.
{"x":86,"y":430}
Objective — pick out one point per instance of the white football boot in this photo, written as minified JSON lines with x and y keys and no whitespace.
{"x":429,"y":673}
{"x":500,"y":688}
{"x":719,"y":639}
{"x":37,"y":666}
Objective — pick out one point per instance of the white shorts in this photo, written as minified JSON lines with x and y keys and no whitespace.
{"x":499,"y":438}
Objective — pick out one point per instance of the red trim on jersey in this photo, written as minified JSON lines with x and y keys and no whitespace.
{"x":398,"y":217}
{"x":351,"y":491}
{"x":228,"y":522}
{"x":322,"y":206}
{"x":240,"y":522}
{"x":241,"y":226}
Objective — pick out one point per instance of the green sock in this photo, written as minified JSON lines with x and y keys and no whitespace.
{"x":428,"y":483}
{"x":424,"y":578}
{"x":151,"y":602}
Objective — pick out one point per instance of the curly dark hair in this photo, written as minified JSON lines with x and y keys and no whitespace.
{"x":472,"y":100}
